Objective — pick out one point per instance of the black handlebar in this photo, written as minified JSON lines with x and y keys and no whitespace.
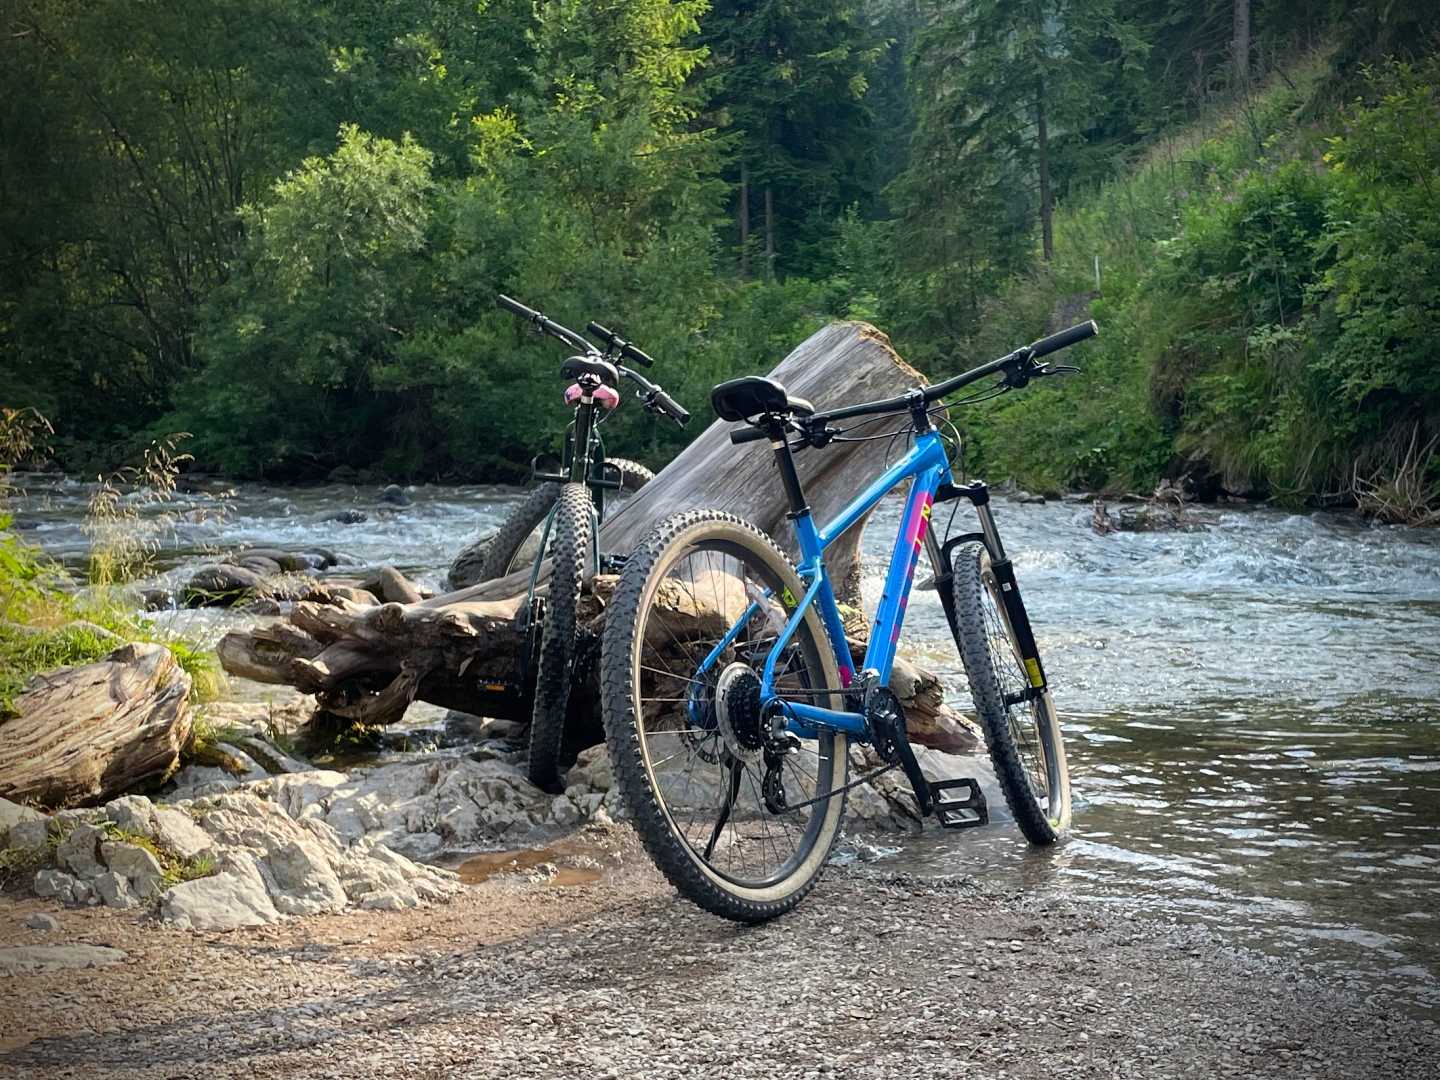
{"x":669,"y":406}
{"x":748,"y":434}
{"x":547,"y":326}
{"x":1064,"y":339}
{"x":616,"y":343}
{"x":1018,"y":366}
{"x":656,"y":400}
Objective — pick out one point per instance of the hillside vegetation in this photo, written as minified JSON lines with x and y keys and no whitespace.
{"x":1270,"y":299}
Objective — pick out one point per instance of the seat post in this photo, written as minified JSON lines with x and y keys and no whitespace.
{"x":785,"y":462}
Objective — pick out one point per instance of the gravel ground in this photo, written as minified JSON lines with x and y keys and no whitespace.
{"x":876,"y":975}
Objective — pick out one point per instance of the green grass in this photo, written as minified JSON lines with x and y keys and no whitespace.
{"x":48,"y":621}
{"x":174,"y":868}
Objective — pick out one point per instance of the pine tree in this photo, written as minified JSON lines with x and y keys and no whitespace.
{"x":788,"y":78}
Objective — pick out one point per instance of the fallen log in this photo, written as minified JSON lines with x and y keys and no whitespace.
{"x":462,"y":650}
{"x":87,"y":733}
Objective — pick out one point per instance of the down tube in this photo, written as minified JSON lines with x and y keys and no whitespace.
{"x":890,"y":614}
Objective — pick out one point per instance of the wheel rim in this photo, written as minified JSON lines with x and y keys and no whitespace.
{"x":688,"y":738}
{"x":1030,"y":723}
{"x":526,"y":554}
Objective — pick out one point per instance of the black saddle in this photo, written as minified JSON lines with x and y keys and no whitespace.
{"x":576,"y":366}
{"x":755,"y":395}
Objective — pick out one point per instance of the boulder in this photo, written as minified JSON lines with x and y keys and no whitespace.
{"x":132,"y":813}
{"x":176,"y":831}
{"x":51,"y":882}
{"x":233,"y":898}
{"x":140,"y":869}
{"x":114,"y":891}
{"x":395,"y":495}
{"x":29,"y":835}
{"x":220,"y":585}
{"x":80,"y":851}
{"x":12,"y":814}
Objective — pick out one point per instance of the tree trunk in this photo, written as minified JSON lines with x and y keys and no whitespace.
{"x":1240,"y":44}
{"x":769,"y":234}
{"x":1047,"y":202}
{"x":462,"y":650}
{"x":744,"y":221}
{"x":84,"y":734}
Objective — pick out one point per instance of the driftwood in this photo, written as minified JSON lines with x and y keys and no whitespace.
{"x":86,"y":733}
{"x":461,"y":650}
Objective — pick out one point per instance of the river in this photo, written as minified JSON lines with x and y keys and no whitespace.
{"x":1252,"y":709}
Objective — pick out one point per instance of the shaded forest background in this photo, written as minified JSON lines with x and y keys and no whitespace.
{"x":281,"y":225}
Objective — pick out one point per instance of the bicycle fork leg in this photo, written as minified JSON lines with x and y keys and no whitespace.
{"x":1012,"y":608}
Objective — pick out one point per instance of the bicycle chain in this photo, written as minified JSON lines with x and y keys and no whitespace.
{"x":840,"y":791}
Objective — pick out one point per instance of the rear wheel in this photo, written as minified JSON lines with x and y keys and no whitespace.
{"x":1022,"y":732}
{"x":572,"y":538}
{"x":695,"y":614}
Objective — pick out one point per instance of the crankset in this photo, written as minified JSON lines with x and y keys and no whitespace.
{"x":886,"y":717}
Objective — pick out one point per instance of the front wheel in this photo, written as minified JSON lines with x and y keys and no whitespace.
{"x":1021,"y":729}
{"x":687,"y":632}
{"x":572,"y":539}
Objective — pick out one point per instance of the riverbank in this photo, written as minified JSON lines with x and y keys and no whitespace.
{"x":880,"y":974}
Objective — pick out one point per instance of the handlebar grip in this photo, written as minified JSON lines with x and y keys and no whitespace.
{"x":515,"y":307}
{"x":749,"y":434}
{"x":1064,"y":339}
{"x":671,"y":408}
{"x":613,"y":340}
{"x":630,"y":352}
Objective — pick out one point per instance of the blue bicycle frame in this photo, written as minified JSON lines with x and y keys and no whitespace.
{"x":927,"y":466}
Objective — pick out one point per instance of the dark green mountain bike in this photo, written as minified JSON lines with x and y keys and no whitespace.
{"x":560,"y":522}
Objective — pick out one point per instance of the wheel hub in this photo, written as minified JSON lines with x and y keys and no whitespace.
{"x":737,"y":709}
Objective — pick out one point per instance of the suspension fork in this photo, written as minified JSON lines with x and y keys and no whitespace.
{"x":1012,"y":608}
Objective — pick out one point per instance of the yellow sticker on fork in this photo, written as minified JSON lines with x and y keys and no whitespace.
{"x":1033,"y":667}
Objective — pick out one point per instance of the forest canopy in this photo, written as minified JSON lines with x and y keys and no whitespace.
{"x":281,"y":226}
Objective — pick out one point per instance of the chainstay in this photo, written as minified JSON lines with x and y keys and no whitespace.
{"x":842,"y":790}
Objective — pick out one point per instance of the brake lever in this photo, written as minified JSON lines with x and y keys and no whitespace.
{"x":1057,"y":369}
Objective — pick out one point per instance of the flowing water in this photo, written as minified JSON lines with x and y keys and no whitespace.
{"x":1252,"y":709}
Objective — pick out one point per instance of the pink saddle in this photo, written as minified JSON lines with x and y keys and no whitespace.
{"x":604,"y":395}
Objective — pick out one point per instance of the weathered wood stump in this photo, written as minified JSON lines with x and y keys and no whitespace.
{"x":87,"y":733}
{"x":461,"y":650}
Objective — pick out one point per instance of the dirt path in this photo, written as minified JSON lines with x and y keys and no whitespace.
{"x":877,"y":975}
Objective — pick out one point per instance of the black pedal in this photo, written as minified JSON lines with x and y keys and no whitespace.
{"x":959,"y":804}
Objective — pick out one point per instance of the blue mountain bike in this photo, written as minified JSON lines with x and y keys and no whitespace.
{"x":729,"y":693}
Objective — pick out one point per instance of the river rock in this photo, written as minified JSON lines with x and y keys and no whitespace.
{"x":349,"y":517}
{"x":233,"y":898}
{"x":156,"y":599}
{"x":220,"y":585}
{"x":55,"y":883}
{"x":140,"y":869}
{"x":132,"y":813}
{"x":176,"y":831}
{"x":29,"y":835}
{"x":12,"y":814}
{"x":262,"y":565}
{"x":592,"y":770}
{"x":33,"y":959}
{"x":80,"y":851}
{"x":395,"y":495}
